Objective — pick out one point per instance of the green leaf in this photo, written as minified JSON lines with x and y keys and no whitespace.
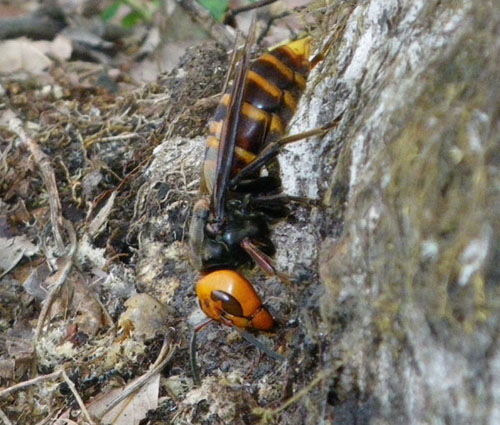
{"x":111,"y":11}
{"x":132,"y":19}
{"x":217,"y":8}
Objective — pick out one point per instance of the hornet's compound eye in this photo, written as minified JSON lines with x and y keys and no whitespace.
{"x":229,"y":304}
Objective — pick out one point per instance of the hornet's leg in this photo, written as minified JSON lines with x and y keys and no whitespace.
{"x":263,"y":260}
{"x":249,"y":337}
{"x":271,"y":151}
{"x":192,"y":351}
{"x":285,"y":199}
{"x":261,"y":346}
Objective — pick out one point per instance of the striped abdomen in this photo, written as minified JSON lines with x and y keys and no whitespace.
{"x":273,"y":86}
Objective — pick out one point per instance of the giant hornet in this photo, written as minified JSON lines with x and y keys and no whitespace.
{"x":230,"y":223}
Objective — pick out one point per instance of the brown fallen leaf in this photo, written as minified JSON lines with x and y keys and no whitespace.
{"x":18,"y":344}
{"x":76,"y":299}
{"x":89,"y":314}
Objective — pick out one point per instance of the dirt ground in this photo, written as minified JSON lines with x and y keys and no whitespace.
{"x":97,"y":180}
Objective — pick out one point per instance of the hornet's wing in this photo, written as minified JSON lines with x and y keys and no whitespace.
{"x":229,"y":133}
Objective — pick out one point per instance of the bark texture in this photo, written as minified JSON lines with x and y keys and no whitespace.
{"x":411,"y":252}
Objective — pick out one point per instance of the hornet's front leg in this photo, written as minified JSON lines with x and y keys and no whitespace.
{"x":263,"y":260}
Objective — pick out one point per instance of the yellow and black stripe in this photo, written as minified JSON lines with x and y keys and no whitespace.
{"x":273,"y":86}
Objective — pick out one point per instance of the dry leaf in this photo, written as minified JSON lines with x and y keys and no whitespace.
{"x":88,"y":310}
{"x":59,"y":48}
{"x":97,"y":223}
{"x":33,"y":285}
{"x":131,"y":410}
{"x":12,"y":250}
{"x":76,"y":298}
{"x":22,"y":54}
{"x":7,"y":368}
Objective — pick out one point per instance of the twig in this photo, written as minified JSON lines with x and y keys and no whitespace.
{"x":217,"y":31}
{"x":4,"y":418}
{"x":29,"y":382}
{"x":48,"y":177}
{"x":54,"y":375}
{"x":73,"y":183}
{"x":3,"y":157}
{"x":93,"y":140}
{"x":63,"y":274}
{"x":231,"y":13}
{"x":79,"y":400}
{"x":269,"y":23}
